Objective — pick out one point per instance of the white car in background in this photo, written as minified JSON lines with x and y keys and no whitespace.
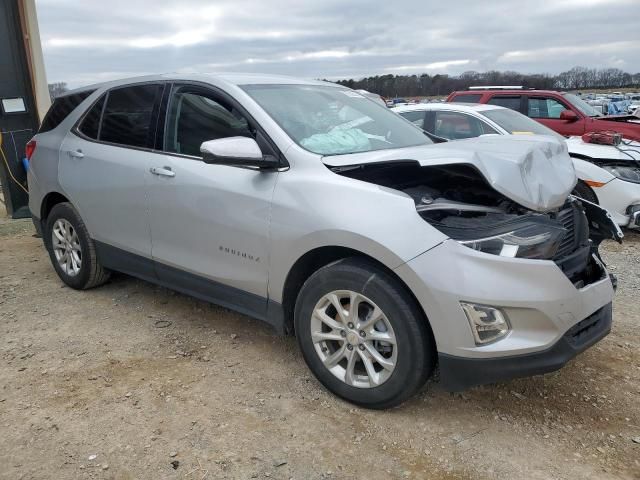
{"x":608,"y":175}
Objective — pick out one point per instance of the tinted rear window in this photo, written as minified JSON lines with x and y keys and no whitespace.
{"x":61,"y":108}
{"x":127,"y":116}
{"x":467,"y":98}
{"x":90,"y":124}
{"x":508,"y":102}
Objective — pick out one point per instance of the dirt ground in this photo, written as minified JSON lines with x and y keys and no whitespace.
{"x":134,"y":381}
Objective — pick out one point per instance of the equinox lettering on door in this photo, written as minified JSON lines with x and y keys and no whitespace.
{"x":233,"y":251}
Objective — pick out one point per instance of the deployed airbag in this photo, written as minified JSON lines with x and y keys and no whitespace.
{"x":337,"y":141}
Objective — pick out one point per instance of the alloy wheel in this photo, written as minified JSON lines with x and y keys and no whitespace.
{"x":354,"y":339}
{"x":66,"y":247}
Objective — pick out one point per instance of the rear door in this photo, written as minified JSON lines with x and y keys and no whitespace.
{"x":104,"y":162}
{"x":547,"y":110}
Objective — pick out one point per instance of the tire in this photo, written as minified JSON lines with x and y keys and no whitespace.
{"x":82,"y":275}
{"x":583,"y":190}
{"x":365,"y":284}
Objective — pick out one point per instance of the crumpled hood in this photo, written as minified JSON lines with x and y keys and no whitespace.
{"x":533,"y":171}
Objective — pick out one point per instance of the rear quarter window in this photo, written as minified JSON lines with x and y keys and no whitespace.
{"x":511,"y":101}
{"x":467,"y":98}
{"x":61,"y":108}
{"x":90,"y":124}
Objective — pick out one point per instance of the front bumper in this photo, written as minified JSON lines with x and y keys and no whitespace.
{"x":539,"y":300}
{"x":462,"y":373}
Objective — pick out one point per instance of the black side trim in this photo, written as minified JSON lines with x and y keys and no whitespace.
{"x":120,"y":260}
{"x":193,"y":285}
{"x":460,"y":373}
{"x":209,"y":290}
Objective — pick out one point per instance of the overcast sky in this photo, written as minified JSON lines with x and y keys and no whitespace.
{"x":86,"y":41}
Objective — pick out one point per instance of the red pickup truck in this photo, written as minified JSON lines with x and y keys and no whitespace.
{"x":563,"y":112}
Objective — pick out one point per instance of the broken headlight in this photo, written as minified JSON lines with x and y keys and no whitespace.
{"x":626,"y":173}
{"x":532,"y":240}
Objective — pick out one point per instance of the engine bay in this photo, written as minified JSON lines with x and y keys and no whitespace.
{"x":458,"y":201}
{"x":455,"y":199}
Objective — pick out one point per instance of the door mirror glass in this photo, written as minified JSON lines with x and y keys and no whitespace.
{"x":569,"y":116}
{"x":238,"y":151}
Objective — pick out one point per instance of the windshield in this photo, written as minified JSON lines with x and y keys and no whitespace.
{"x":516,"y":123}
{"x":581,"y":105}
{"x":334,"y":121}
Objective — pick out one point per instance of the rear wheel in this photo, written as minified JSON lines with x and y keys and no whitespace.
{"x":583,"y":190}
{"x":362,"y":334}
{"x":71,"y":249}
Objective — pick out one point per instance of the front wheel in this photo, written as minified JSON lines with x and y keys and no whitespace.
{"x":362,"y":335}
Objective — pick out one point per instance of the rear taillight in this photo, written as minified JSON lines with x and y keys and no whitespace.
{"x":30,"y":148}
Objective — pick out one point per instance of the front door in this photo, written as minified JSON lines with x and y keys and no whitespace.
{"x":209,"y":223}
{"x":547,"y":110}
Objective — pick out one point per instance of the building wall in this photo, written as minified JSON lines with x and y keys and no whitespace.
{"x":33,"y":50}
{"x":21,"y":76}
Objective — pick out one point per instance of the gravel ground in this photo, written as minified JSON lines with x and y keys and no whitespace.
{"x":135,"y":381}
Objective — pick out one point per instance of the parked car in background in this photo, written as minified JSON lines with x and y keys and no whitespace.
{"x":330,"y":217}
{"x":562,"y":112}
{"x":608,"y":175}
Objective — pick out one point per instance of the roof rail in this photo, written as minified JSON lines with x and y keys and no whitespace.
{"x":498,"y":87}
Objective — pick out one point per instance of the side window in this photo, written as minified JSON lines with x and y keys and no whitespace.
{"x":467,"y":98}
{"x":417,"y":118}
{"x":545,"y":108}
{"x":61,"y":108}
{"x":512,"y":102}
{"x":456,"y":126}
{"x":128,"y":115}
{"x":90,"y":125}
{"x":195,"y":117}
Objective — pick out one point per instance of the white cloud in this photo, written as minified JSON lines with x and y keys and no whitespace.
{"x":88,"y":41}
{"x":444,"y":66}
{"x":565,"y":51}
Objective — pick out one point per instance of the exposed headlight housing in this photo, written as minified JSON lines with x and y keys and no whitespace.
{"x":488,"y":324}
{"x":626,"y":173}
{"x":532,"y":240}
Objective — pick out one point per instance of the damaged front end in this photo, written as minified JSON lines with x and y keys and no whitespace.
{"x":458,"y":201}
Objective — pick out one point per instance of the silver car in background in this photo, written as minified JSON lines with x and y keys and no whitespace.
{"x":328,"y":216}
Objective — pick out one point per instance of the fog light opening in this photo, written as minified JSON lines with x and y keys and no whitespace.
{"x":488,"y":324}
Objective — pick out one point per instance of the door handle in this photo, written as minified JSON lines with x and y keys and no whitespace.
{"x":163,"y":172}
{"x":76,"y":153}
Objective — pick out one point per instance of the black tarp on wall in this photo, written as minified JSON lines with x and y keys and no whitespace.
{"x":16,"y":128}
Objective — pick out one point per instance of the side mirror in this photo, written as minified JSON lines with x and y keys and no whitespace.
{"x":569,"y":116}
{"x":236,"y":151}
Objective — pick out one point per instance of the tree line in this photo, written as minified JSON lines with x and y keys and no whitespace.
{"x":576,"y":78}
{"x":56,"y":89}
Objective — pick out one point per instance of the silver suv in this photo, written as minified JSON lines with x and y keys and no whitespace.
{"x":311,"y":207}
